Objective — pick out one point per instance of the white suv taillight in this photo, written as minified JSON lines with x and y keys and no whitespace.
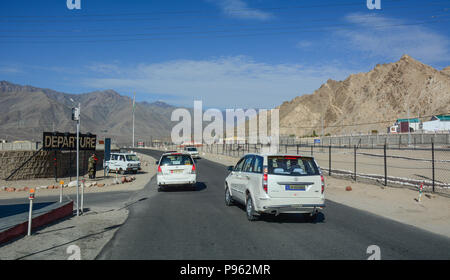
{"x":193,"y":169}
{"x":323,"y":183}
{"x":264,"y":182}
{"x":159,"y":169}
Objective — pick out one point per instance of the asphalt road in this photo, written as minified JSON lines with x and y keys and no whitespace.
{"x":196,"y":224}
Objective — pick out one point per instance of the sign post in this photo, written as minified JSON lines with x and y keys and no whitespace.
{"x":57,"y":141}
{"x":107,"y":156}
{"x":30,"y":213}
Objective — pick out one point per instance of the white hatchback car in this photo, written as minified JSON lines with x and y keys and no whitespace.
{"x":176,"y":169}
{"x":276,"y":184}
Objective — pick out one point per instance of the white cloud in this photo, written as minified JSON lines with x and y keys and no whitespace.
{"x":10,"y":69}
{"x":104,"y":68}
{"x":391,"y":38}
{"x":240,"y":9}
{"x":223,"y":82}
{"x":304,"y":44}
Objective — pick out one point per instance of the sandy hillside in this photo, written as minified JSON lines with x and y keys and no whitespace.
{"x":380,"y":94}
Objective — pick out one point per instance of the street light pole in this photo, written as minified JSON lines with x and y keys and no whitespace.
{"x":76,"y":114}
{"x":134,"y":106}
{"x":78,"y":157}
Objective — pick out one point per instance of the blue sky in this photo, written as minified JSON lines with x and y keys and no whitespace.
{"x":228,"y":53}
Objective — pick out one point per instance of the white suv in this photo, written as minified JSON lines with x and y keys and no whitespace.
{"x":176,"y":169}
{"x":276,"y":184}
{"x":192,"y":151}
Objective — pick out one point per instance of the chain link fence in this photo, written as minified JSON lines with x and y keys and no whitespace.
{"x":385,"y":165}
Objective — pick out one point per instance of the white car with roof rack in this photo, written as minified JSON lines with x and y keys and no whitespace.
{"x":176,"y":168}
{"x":275,"y":184}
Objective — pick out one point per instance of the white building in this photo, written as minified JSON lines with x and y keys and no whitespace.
{"x":414,"y":125}
{"x":437,"y":123}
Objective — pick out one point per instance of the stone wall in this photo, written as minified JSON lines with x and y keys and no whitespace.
{"x":42,"y":165}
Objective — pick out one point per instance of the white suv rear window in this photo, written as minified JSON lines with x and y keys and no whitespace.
{"x":292,"y":165}
{"x":176,"y":160}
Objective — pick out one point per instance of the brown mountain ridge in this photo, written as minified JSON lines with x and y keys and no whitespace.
{"x":379,"y":96}
{"x":26,"y":111}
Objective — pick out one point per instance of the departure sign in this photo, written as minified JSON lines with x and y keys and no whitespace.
{"x":68,"y":141}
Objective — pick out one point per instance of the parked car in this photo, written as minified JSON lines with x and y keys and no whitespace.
{"x":275,"y":184}
{"x":192,"y":151}
{"x":176,"y":169}
{"x":123,"y":162}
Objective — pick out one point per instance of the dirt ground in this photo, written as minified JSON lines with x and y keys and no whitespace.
{"x":399,"y":204}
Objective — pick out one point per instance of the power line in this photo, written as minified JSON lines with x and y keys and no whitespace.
{"x":223,"y":31}
{"x":197,"y":14}
{"x":329,"y":21}
{"x":181,"y":26}
{"x":192,"y":32}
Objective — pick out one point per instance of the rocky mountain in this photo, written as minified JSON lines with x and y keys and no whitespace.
{"x":378,"y":97}
{"x":26,"y":111}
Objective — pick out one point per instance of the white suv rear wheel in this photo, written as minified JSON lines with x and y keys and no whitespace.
{"x":250,"y":209}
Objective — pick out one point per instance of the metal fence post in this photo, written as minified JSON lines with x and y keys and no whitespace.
{"x":312,"y":152}
{"x":385,"y":166}
{"x":354,"y":162}
{"x":432,"y":159}
{"x":297,"y":149}
{"x":329,"y":160}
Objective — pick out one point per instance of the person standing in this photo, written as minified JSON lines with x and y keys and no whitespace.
{"x":92,"y":166}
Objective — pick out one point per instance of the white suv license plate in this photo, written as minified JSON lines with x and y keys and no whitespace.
{"x":294,"y":188}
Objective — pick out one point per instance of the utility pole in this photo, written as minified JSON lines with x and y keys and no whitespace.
{"x":134,"y":106}
{"x":76,"y":117}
